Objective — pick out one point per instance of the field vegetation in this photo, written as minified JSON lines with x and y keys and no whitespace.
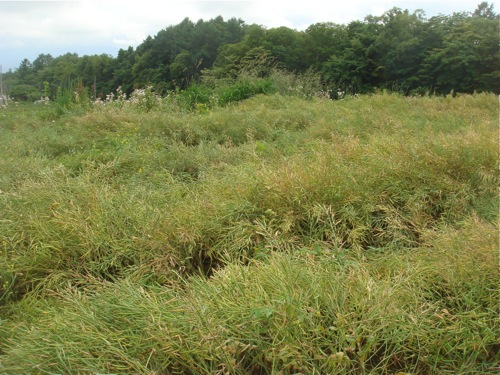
{"x":252,"y":228}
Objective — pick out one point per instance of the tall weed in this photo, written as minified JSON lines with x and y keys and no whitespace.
{"x":275,"y":234}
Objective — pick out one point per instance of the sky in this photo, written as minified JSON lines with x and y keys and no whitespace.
{"x":90,"y":27}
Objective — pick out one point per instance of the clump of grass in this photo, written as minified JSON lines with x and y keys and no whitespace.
{"x":277,"y":234}
{"x":316,"y":311}
{"x":234,"y":200}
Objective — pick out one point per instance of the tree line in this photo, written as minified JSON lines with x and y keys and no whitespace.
{"x":399,"y":50}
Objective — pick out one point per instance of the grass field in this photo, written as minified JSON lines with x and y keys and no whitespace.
{"x":277,"y":235}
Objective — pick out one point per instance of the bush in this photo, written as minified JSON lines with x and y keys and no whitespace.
{"x":24,"y":93}
{"x":243,"y":89}
{"x":194,"y":95}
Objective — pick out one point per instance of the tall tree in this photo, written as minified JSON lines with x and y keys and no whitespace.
{"x":322,"y":41}
{"x":398,"y":50}
{"x":468,"y":59}
{"x":286,"y":46}
{"x":98,"y":69}
{"x":43,"y":68}
{"x":485,"y":10}
{"x":122,"y":70}
{"x":66,"y":68}
{"x":184,"y":68}
{"x":350,"y":68}
{"x":26,"y":72}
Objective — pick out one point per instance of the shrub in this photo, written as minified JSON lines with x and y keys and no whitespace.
{"x":24,"y":93}
{"x":243,"y":89}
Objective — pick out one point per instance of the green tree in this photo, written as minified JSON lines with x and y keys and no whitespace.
{"x":350,"y":68}
{"x":228,"y":61}
{"x":23,"y":92}
{"x":468,"y":59}
{"x":178,"y":54}
{"x":96,"y":68}
{"x":184,"y":68}
{"x":398,"y":50}
{"x":209,"y":36}
{"x":122,"y":71}
{"x":286,"y":47}
{"x":43,"y":68}
{"x":322,"y":41}
{"x":233,"y":57}
{"x":485,"y":10}
{"x":66,"y":68}
{"x":26,"y":73}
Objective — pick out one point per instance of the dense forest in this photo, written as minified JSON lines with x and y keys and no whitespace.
{"x":400,"y":51}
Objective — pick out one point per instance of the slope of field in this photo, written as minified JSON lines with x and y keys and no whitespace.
{"x":276,"y":235}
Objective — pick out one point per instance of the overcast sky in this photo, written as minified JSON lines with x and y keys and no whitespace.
{"x":88,"y":27}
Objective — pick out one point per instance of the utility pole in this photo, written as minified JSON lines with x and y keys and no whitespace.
{"x":3,"y":100}
{"x":95,"y":89}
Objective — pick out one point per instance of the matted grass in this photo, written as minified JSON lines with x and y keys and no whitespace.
{"x":278,"y":235}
